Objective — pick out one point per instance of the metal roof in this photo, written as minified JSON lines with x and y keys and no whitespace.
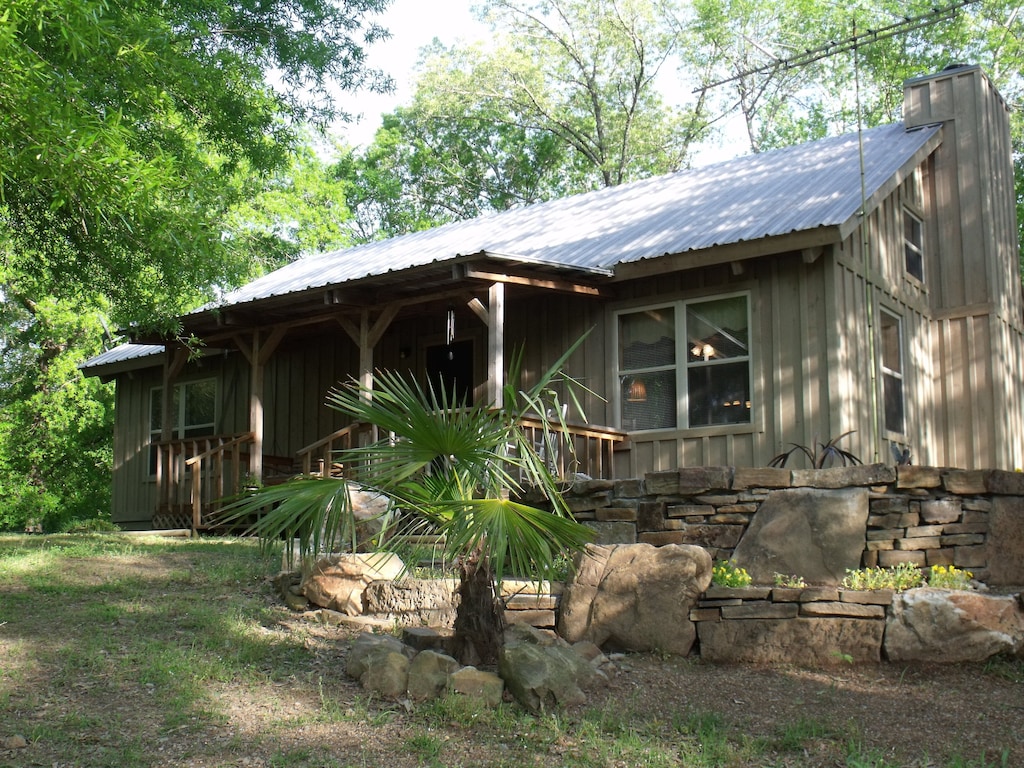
{"x":799,"y":188}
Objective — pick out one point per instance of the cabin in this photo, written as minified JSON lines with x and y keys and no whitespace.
{"x":865,"y":284}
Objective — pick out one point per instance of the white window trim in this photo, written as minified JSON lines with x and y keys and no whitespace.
{"x":918,"y":248}
{"x":683,"y":365}
{"x":898,"y":375}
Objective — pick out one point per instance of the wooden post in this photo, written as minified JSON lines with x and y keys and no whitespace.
{"x":256,"y":410}
{"x":496,"y":344}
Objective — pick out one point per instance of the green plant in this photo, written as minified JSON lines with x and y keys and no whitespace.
{"x":725,"y":573}
{"x":949,"y":577}
{"x":899,"y":578}
{"x":789,"y":581}
{"x":824,"y":454}
{"x":453,"y":469}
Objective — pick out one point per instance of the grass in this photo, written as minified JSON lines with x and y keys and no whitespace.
{"x":144,"y":652}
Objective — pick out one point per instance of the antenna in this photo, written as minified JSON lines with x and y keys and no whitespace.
{"x":908,"y":24}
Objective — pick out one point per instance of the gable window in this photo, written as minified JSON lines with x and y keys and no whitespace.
{"x":892,"y":371}
{"x":913,"y":245}
{"x":193,"y":412}
{"x":685,"y":364}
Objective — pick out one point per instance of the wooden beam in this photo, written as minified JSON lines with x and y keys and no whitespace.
{"x":563,"y":286}
{"x":811,"y":255}
{"x":479,"y":310}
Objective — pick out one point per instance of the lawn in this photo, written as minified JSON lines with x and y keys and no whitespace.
{"x":142,"y":651}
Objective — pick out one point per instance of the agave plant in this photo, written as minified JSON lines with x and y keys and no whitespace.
{"x":458,"y":469}
{"x":826,"y":454}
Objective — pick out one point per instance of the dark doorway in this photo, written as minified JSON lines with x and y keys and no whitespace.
{"x":451,"y":365}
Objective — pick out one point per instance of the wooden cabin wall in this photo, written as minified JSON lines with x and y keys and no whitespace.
{"x":975,"y":290}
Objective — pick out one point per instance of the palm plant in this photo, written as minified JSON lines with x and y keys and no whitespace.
{"x":460,"y":470}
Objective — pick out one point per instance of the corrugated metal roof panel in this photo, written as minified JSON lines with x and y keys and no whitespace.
{"x":123,"y":353}
{"x":795,"y":189}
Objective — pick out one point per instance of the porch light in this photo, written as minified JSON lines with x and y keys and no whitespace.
{"x":702,"y":350}
{"x":637,"y":392}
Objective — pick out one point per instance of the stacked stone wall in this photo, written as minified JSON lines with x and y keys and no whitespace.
{"x":971,"y":519}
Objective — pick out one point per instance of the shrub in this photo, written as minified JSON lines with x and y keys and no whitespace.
{"x":950,"y":577}
{"x":899,"y":578}
{"x":728,"y":574}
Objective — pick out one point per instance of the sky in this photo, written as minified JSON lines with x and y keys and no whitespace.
{"x":413,"y":24}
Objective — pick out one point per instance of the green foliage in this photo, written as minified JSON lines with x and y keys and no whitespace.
{"x":899,"y":578}
{"x":951,"y":577}
{"x":55,"y":425}
{"x":826,"y":454}
{"x":129,"y":129}
{"x":789,"y":581}
{"x":726,"y":573}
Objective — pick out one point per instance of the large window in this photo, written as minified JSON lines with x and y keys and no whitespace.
{"x":913,"y":245}
{"x":892,"y":371}
{"x":685,"y":364}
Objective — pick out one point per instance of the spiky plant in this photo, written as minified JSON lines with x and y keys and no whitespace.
{"x":459,"y":469}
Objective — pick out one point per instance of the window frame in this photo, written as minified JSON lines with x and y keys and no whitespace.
{"x":911,"y":248}
{"x":682,"y":365}
{"x":892,"y":374}
{"x":178,"y":425}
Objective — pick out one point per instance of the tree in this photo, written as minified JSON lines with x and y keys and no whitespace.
{"x":564,"y":98}
{"x":55,"y":448}
{"x":455,"y":468}
{"x":129,"y":129}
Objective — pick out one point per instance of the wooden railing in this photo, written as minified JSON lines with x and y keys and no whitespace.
{"x":318,"y":458}
{"x":593,"y":447}
{"x":194,"y":476}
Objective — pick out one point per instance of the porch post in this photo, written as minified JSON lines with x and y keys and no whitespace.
{"x":496,"y":344}
{"x":256,"y":409}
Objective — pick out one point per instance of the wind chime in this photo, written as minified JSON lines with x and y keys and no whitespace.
{"x":450,"y":331}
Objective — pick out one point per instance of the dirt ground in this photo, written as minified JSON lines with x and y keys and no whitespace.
{"x":112,"y":706}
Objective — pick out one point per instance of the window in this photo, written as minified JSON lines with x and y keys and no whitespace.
{"x":892,"y":371}
{"x":685,"y":364}
{"x":193,"y":412}
{"x":913,"y":245}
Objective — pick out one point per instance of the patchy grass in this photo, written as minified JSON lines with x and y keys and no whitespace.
{"x":144,"y":652}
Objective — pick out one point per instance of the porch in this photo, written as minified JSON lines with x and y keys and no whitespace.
{"x":195,"y":476}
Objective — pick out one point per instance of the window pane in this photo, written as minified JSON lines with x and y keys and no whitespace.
{"x":913,"y":245}
{"x":892,"y":388}
{"x":891,"y":357}
{"x":200,"y":403}
{"x":647,"y":339}
{"x":155,"y":410}
{"x":719,"y":394}
{"x":648,"y":400}
{"x":717,"y":330}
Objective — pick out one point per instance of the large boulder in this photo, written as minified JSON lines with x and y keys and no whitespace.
{"x":809,"y":532}
{"x":941,"y":625}
{"x":541,"y":671}
{"x":337,"y":582}
{"x":635,"y":597}
{"x":412,"y":602}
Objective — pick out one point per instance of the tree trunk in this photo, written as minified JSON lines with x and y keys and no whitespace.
{"x":479,"y":619}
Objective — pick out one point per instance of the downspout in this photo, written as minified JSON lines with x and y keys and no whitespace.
{"x":866,"y":251}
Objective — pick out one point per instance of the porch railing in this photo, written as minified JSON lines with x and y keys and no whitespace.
{"x":593,"y":447}
{"x":195,"y":475}
{"x":318,"y":458}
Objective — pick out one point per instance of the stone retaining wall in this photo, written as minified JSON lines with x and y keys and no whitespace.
{"x":972,"y":519}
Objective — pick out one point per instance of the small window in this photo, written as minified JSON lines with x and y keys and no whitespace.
{"x":913,"y":245}
{"x":892,"y":372}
